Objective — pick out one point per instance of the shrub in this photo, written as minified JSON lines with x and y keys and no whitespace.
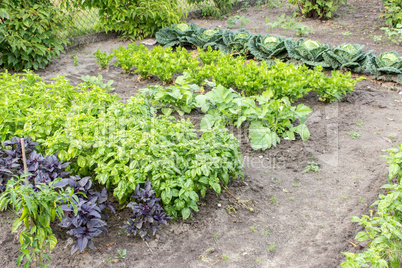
{"x":317,"y":9}
{"x":29,"y":34}
{"x":134,"y":18}
{"x":393,"y":12}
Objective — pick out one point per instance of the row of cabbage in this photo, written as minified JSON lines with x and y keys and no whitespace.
{"x":383,"y":229}
{"x":386,"y":66}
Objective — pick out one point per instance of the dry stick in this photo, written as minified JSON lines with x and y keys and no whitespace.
{"x":148,"y":247}
{"x":24,"y":159}
{"x":238,"y":200}
{"x":353,"y":244}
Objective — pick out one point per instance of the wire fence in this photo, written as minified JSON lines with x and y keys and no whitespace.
{"x":83,"y":26}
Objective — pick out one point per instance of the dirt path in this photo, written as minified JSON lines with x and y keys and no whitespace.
{"x":298,"y":219}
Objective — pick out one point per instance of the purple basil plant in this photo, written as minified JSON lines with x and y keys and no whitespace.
{"x":147,"y":212}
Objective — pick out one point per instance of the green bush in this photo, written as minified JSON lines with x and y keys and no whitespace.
{"x":134,"y":18}
{"x":317,"y":9}
{"x":29,"y":33}
{"x":121,"y":144}
{"x":220,"y":8}
{"x":393,"y":12}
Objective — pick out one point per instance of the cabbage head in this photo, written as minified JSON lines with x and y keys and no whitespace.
{"x":267,"y":47}
{"x":348,"y":57}
{"x":310,"y":52}
{"x":235,"y":42}
{"x":176,"y":35}
{"x":388,"y":63}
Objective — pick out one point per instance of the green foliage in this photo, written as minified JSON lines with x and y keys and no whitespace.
{"x":267,"y":47}
{"x":38,"y":209}
{"x":97,"y":81}
{"x":270,"y":119}
{"x":134,"y":19}
{"x":389,"y":63}
{"x":317,"y":9}
{"x":179,"y":96}
{"x":29,"y":33}
{"x":162,"y":62}
{"x":383,"y":230}
{"x":121,"y":144}
{"x":312,"y":166}
{"x":395,"y":163}
{"x":393,"y":12}
{"x":124,"y":55}
{"x":221,"y":7}
{"x":347,"y":56}
{"x":235,"y":42}
{"x":204,"y":38}
{"x":176,"y":35}
{"x":308,"y":51}
{"x":102,"y":58}
{"x":330,"y":89}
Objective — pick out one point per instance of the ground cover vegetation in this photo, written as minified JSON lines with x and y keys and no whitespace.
{"x":383,"y":227}
{"x":267,"y":48}
{"x":121,"y":145}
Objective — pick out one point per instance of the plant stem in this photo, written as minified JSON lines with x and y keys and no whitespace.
{"x":24,"y":160}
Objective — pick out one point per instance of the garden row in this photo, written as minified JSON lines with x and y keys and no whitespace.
{"x":279,"y":85}
{"x":121,"y":145}
{"x":248,"y":76}
{"x":386,"y":66}
{"x":384,"y":228}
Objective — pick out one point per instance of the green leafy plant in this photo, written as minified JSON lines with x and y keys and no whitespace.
{"x":317,"y":9}
{"x":308,"y":51}
{"x":235,"y":42}
{"x":176,"y":35}
{"x":39,"y":208}
{"x":394,"y":160}
{"x":382,"y":229}
{"x":347,"y":56}
{"x":179,"y":96}
{"x":124,"y":55}
{"x":312,"y":166}
{"x":220,"y":7}
{"x":120,"y":144}
{"x":204,"y":38}
{"x":133,"y":18}
{"x":393,"y":33}
{"x":388,"y":64}
{"x":29,"y":33}
{"x":354,"y":134}
{"x":97,"y":81}
{"x":393,"y":12}
{"x":267,"y":47}
{"x":102,"y":58}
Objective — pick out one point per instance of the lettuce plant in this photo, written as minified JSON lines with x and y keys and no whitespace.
{"x":235,"y":42}
{"x":347,"y":56}
{"x":147,"y":212}
{"x":308,"y":51}
{"x":178,"y":34}
{"x":267,"y":47}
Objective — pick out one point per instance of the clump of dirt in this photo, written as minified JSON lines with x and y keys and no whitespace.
{"x":286,"y":218}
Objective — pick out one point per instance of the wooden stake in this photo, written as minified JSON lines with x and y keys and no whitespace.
{"x":24,"y":160}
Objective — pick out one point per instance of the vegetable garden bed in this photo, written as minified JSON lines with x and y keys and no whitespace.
{"x":297,"y":198}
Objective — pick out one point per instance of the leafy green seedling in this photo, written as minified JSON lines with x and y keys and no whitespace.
{"x":272,"y":247}
{"x":253,"y":228}
{"x":312,"y":166}
{"x":103,"y":59}
{"x":354,"y":134}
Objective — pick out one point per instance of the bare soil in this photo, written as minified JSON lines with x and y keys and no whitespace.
{"x":297,"y":219}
